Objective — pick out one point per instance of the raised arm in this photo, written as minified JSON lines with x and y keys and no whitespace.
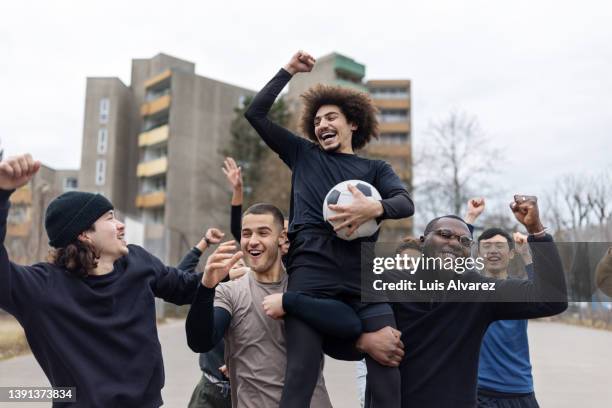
{"x":192,"y":258}
{"x":233,"y":173}
{"x":546,"y":294}
{"x":205,"y":323}
{"x":15,"y":172}
{"x":279,"y":139}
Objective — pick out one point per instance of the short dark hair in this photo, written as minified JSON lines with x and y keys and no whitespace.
{"x":356,"y":106}
{"x":431,"y":224}
{"x":491,"y":232}
{"x":78,"y":257}
{"x":265,"y":208}
{"x":409,"y":243}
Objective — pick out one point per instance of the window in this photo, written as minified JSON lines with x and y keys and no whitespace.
{"x":104,"y":110}
{"x":70,"y":183}
{"x":394,"y":138}
{"x":393,"y":115}
{"x":389,"y":93}
{"x":241,"y":101}
{"x":102,"y":141}
{"x":153,"y":94}
{"x":153,"y":184}
{"x":154,"y":153}
{"x":100,"y":172}
{"x":18,"y":214}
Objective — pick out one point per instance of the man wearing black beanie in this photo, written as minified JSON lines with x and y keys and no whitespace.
{"x":89,"y":314}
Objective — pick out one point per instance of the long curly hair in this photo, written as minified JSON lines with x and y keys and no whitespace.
{"x":78,"y":257}
{"x":356,"y":106}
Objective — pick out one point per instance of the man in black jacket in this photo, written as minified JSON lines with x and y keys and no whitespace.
{"x":89,"y":315}
{"x":442,"y":332}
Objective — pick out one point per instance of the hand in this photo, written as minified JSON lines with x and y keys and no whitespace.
{"x":383,"y":346}
{"x":525,"y":209}
{"x":522,"y":247}
{"x":475,"y":207}
{"x":273,"y":306}
{"x":362,"y":209}
{"x":16,"y":171}
{"x":238,"y":272}
{"x":223,"y":370}
{"x":219,"y":264}
{"x":233,"y":172}
{"x":300,"y":62}
{"x":213,"y":235}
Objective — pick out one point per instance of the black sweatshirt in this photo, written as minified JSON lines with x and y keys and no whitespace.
{"x":442,"y":339}
{"x":315,"y":172}
{"x":98,"y":333}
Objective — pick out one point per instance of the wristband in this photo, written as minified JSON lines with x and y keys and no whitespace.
{"x":539,"y":234}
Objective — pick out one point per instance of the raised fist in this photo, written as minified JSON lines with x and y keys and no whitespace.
{"x":16,"y":171}
{"x":300,"y":62}
{"x":525,"y":209}
{"x":475,"y":207}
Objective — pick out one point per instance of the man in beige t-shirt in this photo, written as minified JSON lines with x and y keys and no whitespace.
{"x":254,"y":344}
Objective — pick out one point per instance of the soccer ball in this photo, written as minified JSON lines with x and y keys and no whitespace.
{"x":340,"y":194}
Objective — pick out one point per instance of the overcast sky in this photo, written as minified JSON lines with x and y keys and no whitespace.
{"x":537,"y":74}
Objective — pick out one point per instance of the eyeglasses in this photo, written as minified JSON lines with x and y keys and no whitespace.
{"x":464,"y":240}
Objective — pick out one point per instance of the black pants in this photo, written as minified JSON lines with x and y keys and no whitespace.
{"x":492,"y":399}
{"x":209,"y":395}
{"x":304,"y":349}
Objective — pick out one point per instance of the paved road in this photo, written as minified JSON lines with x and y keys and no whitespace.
{"x":571,"y":369}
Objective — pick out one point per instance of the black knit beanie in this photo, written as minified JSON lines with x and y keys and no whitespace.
{"x":72,"y":213}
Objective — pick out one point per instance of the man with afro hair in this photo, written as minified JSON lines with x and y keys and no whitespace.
{"x":322,"y":267}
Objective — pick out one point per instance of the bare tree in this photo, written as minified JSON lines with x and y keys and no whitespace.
{"x":580,"y":203}
{"x":599,"y":197}
{"x":453,"y":165}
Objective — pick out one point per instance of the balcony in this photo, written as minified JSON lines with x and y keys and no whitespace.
{"x":348,"y":66}
{"x":151,"y":200}
{"x":158,"y":105}
{"x":154,"y":136}
{"x":22,"y":195}
{"x":152,"y":168}
{"x":350,"y":84}
{"x":157,"y":79}
{"x":394,"y":127}
{"x":21,"y":230}
{"x":392,"y":103}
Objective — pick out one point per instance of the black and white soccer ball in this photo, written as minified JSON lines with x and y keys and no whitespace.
{"x":340,"y":194}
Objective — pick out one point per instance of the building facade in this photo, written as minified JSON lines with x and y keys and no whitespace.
{"x":154,"y":149}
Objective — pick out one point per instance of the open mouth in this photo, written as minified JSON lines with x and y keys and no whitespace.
{"x":255,"y":253}
{"x":327,"y":136}
{"x":494,"y":258}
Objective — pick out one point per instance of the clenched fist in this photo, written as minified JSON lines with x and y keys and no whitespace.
{"x":16,"y":171}
{"x":300,"y":62}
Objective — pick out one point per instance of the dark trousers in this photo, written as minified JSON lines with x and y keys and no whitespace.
{"x":209,"y":395}
{"x":491,"y":399}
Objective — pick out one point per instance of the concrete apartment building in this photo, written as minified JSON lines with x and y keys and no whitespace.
{"x":26,"y":239}
{"x":391,"y":97}
{"x":154,"y":149}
